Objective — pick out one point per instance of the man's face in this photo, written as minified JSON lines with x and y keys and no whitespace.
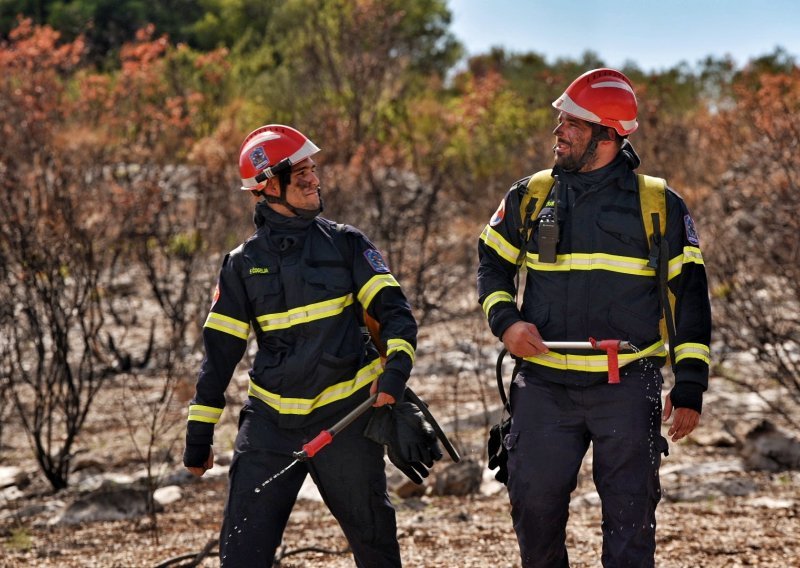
{"x":573,"y":136}
{"x":302,"y":191}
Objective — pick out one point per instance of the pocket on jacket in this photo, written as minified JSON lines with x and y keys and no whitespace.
{"x":335,"y":279}
{"x":632,"y":326}
{"x":262,"y":286}
{"x":333,"y":369}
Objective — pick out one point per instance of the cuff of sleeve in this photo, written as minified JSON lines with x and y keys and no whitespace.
{"x":199,"y":433}
{"x":692,"y":372}
{"x":503,"y":321}
{"x":687,"y":395}
{"x":392,"y":382}
{"x":195,"y":455}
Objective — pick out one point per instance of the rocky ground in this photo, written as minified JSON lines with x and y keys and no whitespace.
{"x":716,"y":511}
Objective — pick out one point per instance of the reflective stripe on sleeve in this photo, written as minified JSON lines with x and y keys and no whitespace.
{"x":693,"y":351}
{"x":200,"y":413}
{"x":304,"y":406}
{"x":227,"y":325}
{"x":373,"y":286}
{"x":496,"y":298}
{"x":498,"y":244}
{"x":690,"y":255}
{"x":394,"y":345}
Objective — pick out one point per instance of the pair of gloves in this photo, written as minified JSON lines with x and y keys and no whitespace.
{"x":498,"y":454}
{"x":409,"y":439}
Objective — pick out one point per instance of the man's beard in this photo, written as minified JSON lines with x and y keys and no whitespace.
{"x":572,"y":163}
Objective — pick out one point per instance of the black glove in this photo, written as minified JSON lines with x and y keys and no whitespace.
{"x":195,"y":455}
{"x":410,"y":441}
{"x":498,"y":455}
{"x":687,"y":395}
{"x":416,"y":440}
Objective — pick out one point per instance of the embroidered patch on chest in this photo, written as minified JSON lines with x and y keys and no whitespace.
{"x":691,"y":231}
{"x":499,"y":215}
{"x":375,"y":260}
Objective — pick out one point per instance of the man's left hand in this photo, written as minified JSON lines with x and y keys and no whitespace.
{"x":383,"y":398}
{"x":685,"y":421}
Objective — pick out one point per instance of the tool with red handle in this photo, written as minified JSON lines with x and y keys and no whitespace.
{"x":325,"y":437}
{"x":322,"y":439}
{"x":612,"y":347}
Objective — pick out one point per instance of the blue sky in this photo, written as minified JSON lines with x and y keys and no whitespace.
{"x":655,"y":34}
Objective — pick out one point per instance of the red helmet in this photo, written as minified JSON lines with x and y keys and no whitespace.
{"x":603,"y":96}
{"x":268,"y":146}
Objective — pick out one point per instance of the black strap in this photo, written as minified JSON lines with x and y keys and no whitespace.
{"x":423,"y":407}
{"x":499,"y":374}
{"x":525,"y":232}
{"x":662,"y":275}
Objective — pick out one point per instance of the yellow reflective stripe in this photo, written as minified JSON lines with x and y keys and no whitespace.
{"x":593,"y":261}
{"x":304,"y":406}
{"x":594,"y":363}
{"x":496,"y":298}
{"x":400,"y":345}
{"x":693,"y":351}
{"x":690,"y":254}
{"x":304,"y":314}
{"x":373,"y":286}
{"x":227,"y":325}
{"x":497,"y":243}
{"x":200,"y":413}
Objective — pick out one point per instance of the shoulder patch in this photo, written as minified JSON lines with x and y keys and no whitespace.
{"x":499,"y":215}
{"x":691,"y":231}
{"x":375,"y":260}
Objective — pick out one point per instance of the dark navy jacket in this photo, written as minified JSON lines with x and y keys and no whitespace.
{"x":300,"y":285}
{"x":600,"y":286}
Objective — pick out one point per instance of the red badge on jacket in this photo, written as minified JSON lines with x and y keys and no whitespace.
{"x":499,"y":215}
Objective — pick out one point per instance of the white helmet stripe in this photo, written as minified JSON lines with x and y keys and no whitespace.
{"x":306,"y":150}
{"x":569,"y":106}
{"x":614,"y":84}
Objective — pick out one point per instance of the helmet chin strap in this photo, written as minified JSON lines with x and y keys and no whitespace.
{"x":299,"y":211}
{"x":587,"y":156}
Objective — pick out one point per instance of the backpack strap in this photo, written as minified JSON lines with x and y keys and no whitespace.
{"x":653,"y":203}
{"x":532,"y":201}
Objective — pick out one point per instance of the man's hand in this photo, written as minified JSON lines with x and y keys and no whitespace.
{"x":685,"y":421}
{"x":209,"y":463}
{"x":383,"y":398}
{"x":522,"y":339}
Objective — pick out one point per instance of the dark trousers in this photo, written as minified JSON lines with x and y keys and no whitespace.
{"x":349,"y":474}
{"x":551,"y":429}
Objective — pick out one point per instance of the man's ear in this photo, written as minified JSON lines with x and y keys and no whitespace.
{"x":272,"y":187}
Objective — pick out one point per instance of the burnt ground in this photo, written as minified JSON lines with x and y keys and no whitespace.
{"x":715,"y":512}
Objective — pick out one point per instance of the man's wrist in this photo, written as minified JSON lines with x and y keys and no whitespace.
{"x":687,"y":395}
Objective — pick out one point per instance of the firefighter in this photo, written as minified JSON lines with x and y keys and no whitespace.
{"x":590,"y":272}
{"x":300,"y":281}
